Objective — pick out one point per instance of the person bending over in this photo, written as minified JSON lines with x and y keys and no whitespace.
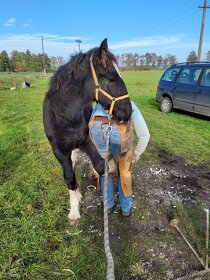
{"x":121,"y":155}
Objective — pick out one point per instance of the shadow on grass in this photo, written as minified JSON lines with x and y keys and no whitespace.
{"x":156,"y":105}
{"x":193,"y":115}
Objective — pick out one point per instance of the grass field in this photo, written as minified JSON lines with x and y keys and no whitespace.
{"x":34,"y":199}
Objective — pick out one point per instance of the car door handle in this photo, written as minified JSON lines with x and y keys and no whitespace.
{"x":173,"y":89}
{"x":199,"y":91}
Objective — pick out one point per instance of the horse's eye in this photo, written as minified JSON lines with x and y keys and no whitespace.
{"x":110,"y":78}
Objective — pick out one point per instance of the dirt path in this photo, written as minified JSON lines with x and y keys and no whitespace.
{"x":163,"y":191}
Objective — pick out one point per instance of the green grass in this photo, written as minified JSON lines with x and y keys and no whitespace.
{"x":34,"y":199}
{"x":10,"y":80}
{"x":192,"y":222}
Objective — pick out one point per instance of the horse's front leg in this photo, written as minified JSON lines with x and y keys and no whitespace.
{"x":74,"y":214}
{"x":97,"y":161}
{"x":70,"y":179}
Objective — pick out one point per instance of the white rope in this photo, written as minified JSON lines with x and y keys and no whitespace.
{"x":110,"y":261}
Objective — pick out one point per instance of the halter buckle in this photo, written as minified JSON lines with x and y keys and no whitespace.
{"x":98,"y":86}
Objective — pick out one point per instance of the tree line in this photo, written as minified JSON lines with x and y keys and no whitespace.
{"x":145,"y":61}
{"x":30,"y":62}
{"x":152,"y":60}
{"x":192,"y":57}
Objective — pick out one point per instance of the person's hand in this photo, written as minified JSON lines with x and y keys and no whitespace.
{"x":136,"y":156}
{"x":112,"y":166}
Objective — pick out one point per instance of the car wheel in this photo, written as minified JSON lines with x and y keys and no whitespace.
{"x":166,"y":105}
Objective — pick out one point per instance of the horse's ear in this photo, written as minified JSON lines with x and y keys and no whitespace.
{"x":103,"y":50}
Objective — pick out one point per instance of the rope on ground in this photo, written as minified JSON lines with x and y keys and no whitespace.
{"x":195,"y":274}
{"x":110,"y":261}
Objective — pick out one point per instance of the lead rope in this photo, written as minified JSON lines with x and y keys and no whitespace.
{"x":110,"y":261}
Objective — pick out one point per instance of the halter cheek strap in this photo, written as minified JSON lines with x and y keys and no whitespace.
{"x":99,"y":89}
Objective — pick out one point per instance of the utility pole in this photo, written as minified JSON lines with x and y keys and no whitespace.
{"x":204,"y":7}
{"x":43,"y":61}
{"x":79,"y":42}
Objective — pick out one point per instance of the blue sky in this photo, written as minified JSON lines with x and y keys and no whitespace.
{"x":160,"y":26}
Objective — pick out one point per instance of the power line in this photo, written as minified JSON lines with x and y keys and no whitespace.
{"x":173,"y":23}
{"x":180,"y":13}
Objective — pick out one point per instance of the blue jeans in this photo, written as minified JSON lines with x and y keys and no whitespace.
{"x":96,"y":132}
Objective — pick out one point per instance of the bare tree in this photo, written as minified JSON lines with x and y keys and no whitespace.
{"x":56,"y":61}
{"x":142,"y":60}
{"x":135,"y":60}
{"x":122,"y":59}
{"x":128,"y":60}
{"x":169,"y":60}
{"x":159,"y":61}
{"x":192,"y":57}
{"x":145,"y":61}
{"x":208,"y":56}
{"x":154,"y":59}
{"x":148,"y":57}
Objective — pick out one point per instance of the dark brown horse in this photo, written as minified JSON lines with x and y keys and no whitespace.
{"x":67,"y":109}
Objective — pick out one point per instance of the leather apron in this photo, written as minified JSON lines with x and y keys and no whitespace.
{"x":126,"y":155}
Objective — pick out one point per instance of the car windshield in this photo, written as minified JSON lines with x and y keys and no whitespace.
{"x":171,"y":74}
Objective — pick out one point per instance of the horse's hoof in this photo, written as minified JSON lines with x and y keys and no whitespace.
{"x":73,"y":222}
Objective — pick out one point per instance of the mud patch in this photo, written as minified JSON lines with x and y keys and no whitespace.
{"x":161,"y":191}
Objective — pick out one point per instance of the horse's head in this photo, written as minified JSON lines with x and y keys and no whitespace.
{"x":110,"y":88}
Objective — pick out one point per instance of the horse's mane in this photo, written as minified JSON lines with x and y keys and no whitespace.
{"x":68,"y":71}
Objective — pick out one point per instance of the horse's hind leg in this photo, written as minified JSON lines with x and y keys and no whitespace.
{"x":70,"y":179}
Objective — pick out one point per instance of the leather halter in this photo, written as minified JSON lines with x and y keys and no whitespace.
{"x":99,"y":89}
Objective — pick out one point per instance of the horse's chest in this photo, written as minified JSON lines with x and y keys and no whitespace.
{"x":77,"y":133}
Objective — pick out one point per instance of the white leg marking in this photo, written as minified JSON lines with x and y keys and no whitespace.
{"x":74,"y":156}
{"x":74,"y":214}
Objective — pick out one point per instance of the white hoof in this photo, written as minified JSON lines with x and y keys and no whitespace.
{"x":74,"y":219}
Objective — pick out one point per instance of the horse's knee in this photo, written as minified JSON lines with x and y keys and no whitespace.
{"x":70,"y":180}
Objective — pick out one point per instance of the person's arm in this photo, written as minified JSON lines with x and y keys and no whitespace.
{"x":141,"y":130}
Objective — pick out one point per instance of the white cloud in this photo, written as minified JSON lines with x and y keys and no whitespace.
{"x":146,"y":42}
{"x":26,"y":25}
{"x":10,"y":22}
{"x":54,"y":45}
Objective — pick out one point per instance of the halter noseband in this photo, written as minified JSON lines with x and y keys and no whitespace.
{"x":99,"y":89}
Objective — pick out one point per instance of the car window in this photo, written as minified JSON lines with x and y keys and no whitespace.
{"x":205,"y":80}
{"x":189,"y":75}
{"x":170,"y":74}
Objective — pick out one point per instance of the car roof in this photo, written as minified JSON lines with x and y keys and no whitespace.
{"x":201,"y":63}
